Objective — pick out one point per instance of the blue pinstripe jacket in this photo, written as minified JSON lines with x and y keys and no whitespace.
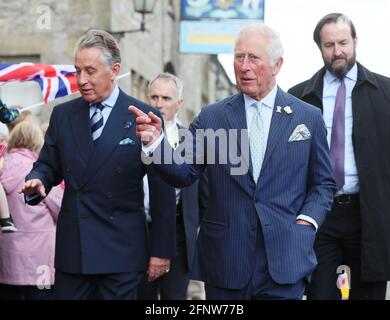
{"x":296,"y":178}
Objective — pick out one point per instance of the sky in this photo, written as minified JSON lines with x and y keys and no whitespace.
{"x":295,"y":20}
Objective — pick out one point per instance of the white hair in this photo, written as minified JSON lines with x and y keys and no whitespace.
{"x":275,"y":47}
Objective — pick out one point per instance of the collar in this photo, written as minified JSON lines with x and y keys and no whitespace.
{"x":314,"y":84}
{"x":176,"y":123}
{"x":352,"y":75}
{"x":268,"y":100}
{"x":112,"y":98}
{"x":173,"y":134}
{"x":172,"y":127}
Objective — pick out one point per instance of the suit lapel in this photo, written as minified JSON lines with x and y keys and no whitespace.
{"x":79,"y":122}
{"x":279,"y":123}
{"x":116,"y":127}
{"x":236,"y":117}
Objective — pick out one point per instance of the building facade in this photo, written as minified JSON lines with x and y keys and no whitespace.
{"x":46,"y":32}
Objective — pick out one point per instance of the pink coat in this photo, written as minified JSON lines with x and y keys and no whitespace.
{"x":27,"y":256}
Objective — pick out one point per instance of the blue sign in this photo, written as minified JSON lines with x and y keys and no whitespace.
{"x":222,"y":9}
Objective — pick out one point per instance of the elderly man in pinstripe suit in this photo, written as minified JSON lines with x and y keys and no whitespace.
{"x":256,"y":238}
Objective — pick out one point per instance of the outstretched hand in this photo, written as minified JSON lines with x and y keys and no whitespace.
{"x":149,"y":126}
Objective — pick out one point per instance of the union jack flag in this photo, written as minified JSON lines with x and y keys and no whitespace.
{"x":55,"y":80}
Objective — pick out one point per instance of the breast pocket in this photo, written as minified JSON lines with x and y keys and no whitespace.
{"x":298,"y":151}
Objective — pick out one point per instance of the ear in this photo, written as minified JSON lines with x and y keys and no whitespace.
{"x":115,"y":69}
{"x":277,"y":66}
{"x":179,"y":104}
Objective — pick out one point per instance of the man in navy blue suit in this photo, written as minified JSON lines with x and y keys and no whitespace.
{"x":256,"y":237}
{"x":166,"y":95}
{"x":91,"y":144}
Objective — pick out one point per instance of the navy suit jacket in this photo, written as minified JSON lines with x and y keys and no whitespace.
{"x":194,"y":202}
{"x":296,"y":178}
{"x":193,"y":199}
{"x":101,"y":226}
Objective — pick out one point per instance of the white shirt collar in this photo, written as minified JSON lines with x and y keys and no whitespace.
{"x":351,"y":74}
{"x":113,"y":97}
{"x":268,"y":100}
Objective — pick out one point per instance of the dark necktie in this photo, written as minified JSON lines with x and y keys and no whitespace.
{"x":337,"y":143}
{"x":96,"y":123}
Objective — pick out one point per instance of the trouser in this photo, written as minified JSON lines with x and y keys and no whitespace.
{"x":339,"y":243}
{"x":261,"y":286}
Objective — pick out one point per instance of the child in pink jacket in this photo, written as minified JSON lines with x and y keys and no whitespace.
{"x":27,"y":256}
{"x":6,"y":223}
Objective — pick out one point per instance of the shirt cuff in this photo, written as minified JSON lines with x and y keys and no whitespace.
{"x":149,"y":149}
{"x":308,"y":219}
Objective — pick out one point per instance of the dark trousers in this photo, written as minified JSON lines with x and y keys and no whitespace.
{"x":261,"y":286}
{"x":174,"y":284}
{"x":116,"y":286}
{"x":16,"y":292}
{"x":339,"y":243}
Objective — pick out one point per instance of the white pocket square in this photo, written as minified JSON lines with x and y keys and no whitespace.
{"x":126,"y":141}
{"x":301,"y":132}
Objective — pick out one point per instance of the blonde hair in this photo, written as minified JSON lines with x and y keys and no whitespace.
{"x":24,"y":116}
{"x":28,"y":135}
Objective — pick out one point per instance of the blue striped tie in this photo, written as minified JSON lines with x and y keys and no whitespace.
{"x":96,"y":123}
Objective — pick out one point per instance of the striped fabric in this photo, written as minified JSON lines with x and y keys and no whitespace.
{"x":96,"y":122}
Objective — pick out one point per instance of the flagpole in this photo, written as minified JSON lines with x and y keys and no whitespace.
{"x":73,"y":93}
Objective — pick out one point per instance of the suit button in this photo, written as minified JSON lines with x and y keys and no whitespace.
{"x":109,"y":195}
{"x":111,"y":217}
{"x":253,"y":227}
{"x":67,"y":169}
{"x":119,"y":170}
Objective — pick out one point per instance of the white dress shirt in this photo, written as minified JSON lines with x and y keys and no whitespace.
{"x":108,"y":105}
{"x":331,"y":85}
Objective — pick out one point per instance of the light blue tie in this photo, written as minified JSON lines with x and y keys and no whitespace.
{"x":256,"y":140}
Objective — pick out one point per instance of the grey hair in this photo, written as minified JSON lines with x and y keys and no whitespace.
{"x":170,"y":76}
{"x":104,"y":41}
{"x":275,"y":47}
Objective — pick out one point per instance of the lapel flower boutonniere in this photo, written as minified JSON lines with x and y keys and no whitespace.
{"x":127,"y":124}
{"x":279,"y":109}
{"x":287,"y":109}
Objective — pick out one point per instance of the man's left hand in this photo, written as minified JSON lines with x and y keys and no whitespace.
{"x":306,"y":223}
{"x":157,"y":267}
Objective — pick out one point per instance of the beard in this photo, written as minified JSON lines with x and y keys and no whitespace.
{"x":340,"y":70}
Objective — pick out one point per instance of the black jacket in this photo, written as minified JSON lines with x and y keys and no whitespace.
{"x":371,"y":143}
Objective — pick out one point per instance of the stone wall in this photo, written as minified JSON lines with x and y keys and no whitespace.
{"x":47,"y":31}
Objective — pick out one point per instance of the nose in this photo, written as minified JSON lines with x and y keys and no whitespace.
{"x":82,"y":78}
{"x":244,"y":65}
{"x":159,"y":103}
{"x":337,"y":50}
